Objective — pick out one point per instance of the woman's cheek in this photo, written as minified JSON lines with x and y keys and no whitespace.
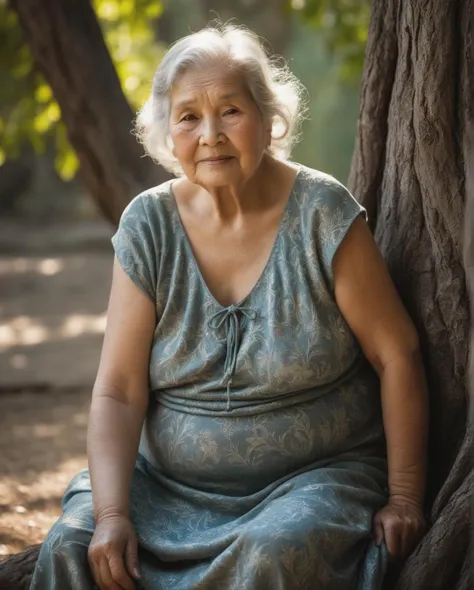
{"x":185,"y":142}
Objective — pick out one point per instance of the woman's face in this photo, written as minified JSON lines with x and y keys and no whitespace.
{"x":217,"y":130}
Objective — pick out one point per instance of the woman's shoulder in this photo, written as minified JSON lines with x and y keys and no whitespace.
{"x":152,"y":197}
{"x":324,"y":194}
{"x":327,"y":210}
{"x":319,"y":182}
{"x":151,"y":204}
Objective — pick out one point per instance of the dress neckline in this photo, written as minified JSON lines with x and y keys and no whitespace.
{"x":262,"y":275}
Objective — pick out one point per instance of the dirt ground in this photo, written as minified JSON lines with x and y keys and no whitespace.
{"x":54,"y":286}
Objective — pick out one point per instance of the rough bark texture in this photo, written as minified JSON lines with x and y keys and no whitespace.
{"x":413,"y":168}
{"x":16,"y":571}
{"x":67,"y":44}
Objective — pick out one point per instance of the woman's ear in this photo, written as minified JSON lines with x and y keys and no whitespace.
{"x":269,"y":136}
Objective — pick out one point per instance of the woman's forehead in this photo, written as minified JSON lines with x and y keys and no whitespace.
{"x":223,"y":85}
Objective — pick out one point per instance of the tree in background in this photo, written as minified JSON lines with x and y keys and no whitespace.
{"x":412,"y":168}
{"x":81,"y":85}
{"x":37,"y":93}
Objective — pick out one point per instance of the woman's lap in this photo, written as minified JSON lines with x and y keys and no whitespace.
{"x":315,"y":526}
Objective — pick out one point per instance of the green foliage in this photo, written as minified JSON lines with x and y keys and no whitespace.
{"x":344,"y":24}
{"x":29,"y":114}
{"x":329,"y":131}
{"x":130,"y":38}
{"x":17,"y":80}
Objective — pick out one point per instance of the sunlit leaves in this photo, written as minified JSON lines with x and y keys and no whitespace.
{"x":29,"y":113}
{"x":131,"y":42}
{"x":65,"y":160}
{"x":43,"y":93}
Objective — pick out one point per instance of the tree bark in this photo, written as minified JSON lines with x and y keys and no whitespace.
{"x":68,"y":46}
{"x":413,"y":169}
{"x":17,"y":570}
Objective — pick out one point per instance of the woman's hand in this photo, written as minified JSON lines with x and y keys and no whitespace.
{"x":113,"y":554}
{"x":401,"y":524}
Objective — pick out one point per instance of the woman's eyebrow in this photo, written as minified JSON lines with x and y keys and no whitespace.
{"x":189,"y":102}
{"x":229,"y":96}
{"x":183,"y":104}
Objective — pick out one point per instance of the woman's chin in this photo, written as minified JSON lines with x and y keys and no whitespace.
{"x":222,"y":175}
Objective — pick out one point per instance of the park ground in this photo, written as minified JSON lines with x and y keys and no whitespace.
{"x":54,"y":286}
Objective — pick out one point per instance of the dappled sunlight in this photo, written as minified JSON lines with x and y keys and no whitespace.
{"x":298,"y":4}
{"x":47,"y":430}
{"x":43,"y":266}
{"x":33,"y":507}
{"x":50,"y":266}
{"x":53,"y":319}
{"x":29,"y":331}
{"x":76,"y":325}
{"x":23,"y":331}
{"x":42,"y":445}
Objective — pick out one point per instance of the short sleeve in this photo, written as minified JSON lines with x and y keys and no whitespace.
{"x":337,"y":211}
{"x":135,"y":245}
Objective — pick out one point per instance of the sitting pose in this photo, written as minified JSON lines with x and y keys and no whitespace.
{"x":258,"y":421}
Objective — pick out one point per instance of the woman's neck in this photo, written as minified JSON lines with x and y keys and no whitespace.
{"x":229,"y":204}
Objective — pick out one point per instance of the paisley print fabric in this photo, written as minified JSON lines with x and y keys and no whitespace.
{"x":262,"y":457}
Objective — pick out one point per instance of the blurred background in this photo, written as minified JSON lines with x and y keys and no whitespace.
{"x":55,"y":252}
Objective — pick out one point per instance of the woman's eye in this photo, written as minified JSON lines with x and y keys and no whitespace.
{"x":231,"y":112}
{"x":188,"y":118}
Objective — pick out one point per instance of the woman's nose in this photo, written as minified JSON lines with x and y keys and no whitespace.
{"x":211,"y":133}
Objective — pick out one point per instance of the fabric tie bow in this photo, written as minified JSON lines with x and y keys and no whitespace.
{"x":230,"y":318}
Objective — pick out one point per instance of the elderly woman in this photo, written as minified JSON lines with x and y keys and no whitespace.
{"x":257,"y":344}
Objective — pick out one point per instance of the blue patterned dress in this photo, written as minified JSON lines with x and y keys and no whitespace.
{"x":262,"y":459}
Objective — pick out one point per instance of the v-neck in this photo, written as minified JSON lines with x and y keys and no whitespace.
{"x":271,"y":255}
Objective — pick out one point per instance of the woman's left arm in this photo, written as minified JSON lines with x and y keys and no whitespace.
{"x":370,"y":304}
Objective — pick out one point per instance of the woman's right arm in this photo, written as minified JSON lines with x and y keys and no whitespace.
{"x":117,"y":412}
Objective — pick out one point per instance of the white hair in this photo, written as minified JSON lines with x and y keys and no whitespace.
{"x":278,"y":94}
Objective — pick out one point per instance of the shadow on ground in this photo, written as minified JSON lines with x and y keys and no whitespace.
{"x":54,"y":286}
{"x":42,"y":445}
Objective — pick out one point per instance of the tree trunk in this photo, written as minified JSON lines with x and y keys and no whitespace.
{"x":413,"y":169}
{"x":67,"y":44}
{"x":17,"y":570}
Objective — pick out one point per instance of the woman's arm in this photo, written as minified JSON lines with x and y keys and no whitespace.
{"x":119,"y":404}
{"x":371,"y":306}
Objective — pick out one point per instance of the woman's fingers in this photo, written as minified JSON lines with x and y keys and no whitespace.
{"x":401,"y":525}
{"x":131,"y":557}
{"x":96,"y":574}
{"x":105,"y":574}
{"x":110,"y":574}
{"x":405,"y":536}
{"x":119,"y":573}
{"x":412,"y":534}
{"x":378,"y":530}
{"x":392,"y":538}
{"x":113,"y":550}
